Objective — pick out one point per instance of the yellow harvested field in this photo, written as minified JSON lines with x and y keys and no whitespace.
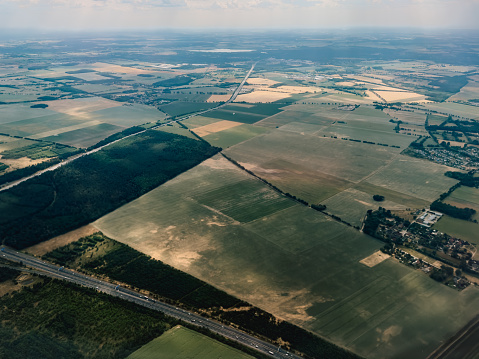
{"x":294,"y":89}
{"x":216,"y":127}
{"x":388,"y":88}
{"x":403,"y":96}
{"x":262,"y":96}
{"x":374,"y":259}
{"x":347,"y":83}
{"x":274,"y":94}
{"x":104,"y":67}
{"x":81,"y":106}
{"x":470,"y":91}
{"x":218,"y":98}
{"x":261,"y":81}
{"x":21,"y":162}
{"x":342,"y":98}
{"x":372,"y":96}
{"x":452,"y":143}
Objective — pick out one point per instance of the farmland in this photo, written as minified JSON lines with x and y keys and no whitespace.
{"x":56,"y":202}
{"x":459,"y":228}
{"x":465,"y":197}
{"x":309,"y":288}
{"x":180,"y":342}
{"x":326,"y":128}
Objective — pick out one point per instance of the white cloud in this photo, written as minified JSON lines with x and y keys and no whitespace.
{"x":238,"y":13}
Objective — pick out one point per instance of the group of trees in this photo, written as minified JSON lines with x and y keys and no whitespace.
{"x":94,"y":185}
{"x":60,"y":320}
{"x":453,"y":211}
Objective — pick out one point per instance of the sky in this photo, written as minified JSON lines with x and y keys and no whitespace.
{"x":257,"y":14}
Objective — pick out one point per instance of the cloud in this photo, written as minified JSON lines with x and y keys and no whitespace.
{"x":238,"y":13}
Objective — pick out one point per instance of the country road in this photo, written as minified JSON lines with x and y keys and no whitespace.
{"x":54,"y":271}
{"x":75,"y":157}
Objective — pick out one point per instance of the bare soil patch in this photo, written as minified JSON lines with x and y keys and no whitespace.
{"x":374,"y":259}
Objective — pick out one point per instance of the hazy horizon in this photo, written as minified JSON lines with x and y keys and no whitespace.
{"x":79,"y":15}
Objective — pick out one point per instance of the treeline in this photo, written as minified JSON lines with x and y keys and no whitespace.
{"x":465,"y":179}
{"x":27,"y":171}
{"x":263,"y":323}
{"x":127,"y":265}
{"x":318,"y":207}
{"x":61,"y":320}
{"x":94,"y":185}
{"x":124,"y":264}
{"x":117,"y":136}
{"x":8,"y":274}
{"x":453,"y":211}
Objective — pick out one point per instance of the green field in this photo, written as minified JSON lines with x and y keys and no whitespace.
{"x":333,"y":157}
{"x":302,"y":127}
{"x":128,"y":115}
{"x":38,"y":150}
{"x":19,"y":112}
{"x":244,"y":201}
{"x":198,"y":121}
{"x":414,"y":177}
{"x":267,"y":109}
{"x":295,"y":263}
{"x":178,"y":108}
{"x":87,"y":136}
{"x":351,"y":205}
{"x":465,"y":197}
{"x":244,"y":117}
{"x":40,"y":124}
{"x":235,"y":135}
{"x":349,"y":131}
{"x":459,"y":228}
{"x":182,"y":343}
{"x":456,"y":109}
{"x":177,"y":129}
{"x":288,"y":116}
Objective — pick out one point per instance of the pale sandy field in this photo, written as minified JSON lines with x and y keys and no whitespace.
{"x":81,"y":106}
{"x":216,"y":127}
{"x":375,"y":258}
{"x":218,"y":98}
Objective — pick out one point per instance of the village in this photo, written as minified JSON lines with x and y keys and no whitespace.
{"x":443,"y":257}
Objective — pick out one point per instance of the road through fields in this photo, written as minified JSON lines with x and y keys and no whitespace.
{"x":61,"y":273}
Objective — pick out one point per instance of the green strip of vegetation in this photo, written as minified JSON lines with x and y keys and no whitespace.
{"x":40,"y":150}
{"x":3,"y":167}
{"x":88,"y":188}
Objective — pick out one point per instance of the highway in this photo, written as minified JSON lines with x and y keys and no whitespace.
{"x":54,"y":271}
{"x":75,"y":157}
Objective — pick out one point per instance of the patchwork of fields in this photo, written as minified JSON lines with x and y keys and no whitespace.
{"x":291,"y":261}
{"x":329,"y":135}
